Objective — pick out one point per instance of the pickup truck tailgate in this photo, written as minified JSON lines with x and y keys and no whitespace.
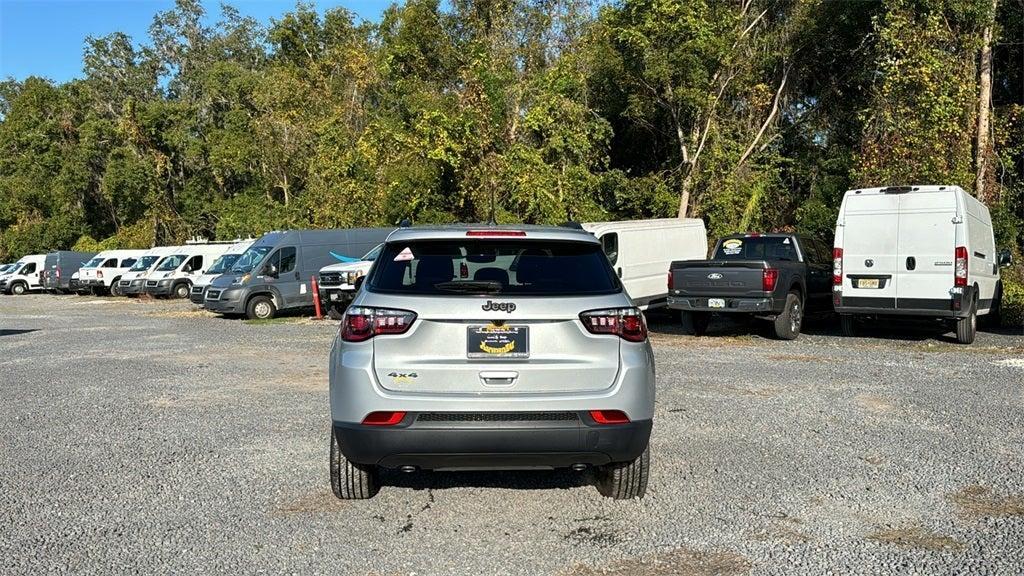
{"x":720,"y":279}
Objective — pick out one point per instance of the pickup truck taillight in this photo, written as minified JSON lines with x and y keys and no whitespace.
{"x":626,"y":323}
{"x":769,"y":276}
{"x":671,"y":283}
{"x":362,"y":323}
{"x":960,"y":267}
{"x":99,"y":273}
{"x":837,"y":266}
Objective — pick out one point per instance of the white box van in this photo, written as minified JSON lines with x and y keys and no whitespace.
{"x":132,"y":283}
{"x":220,"y":266}
{"x":641,"y":252}
{"x":102,"y":272}
{"x":174,"y":275}
{"x":925,"y":251}
{"x":24,"y":276}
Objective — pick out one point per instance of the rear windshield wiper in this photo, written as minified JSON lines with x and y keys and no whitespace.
{"x":470,"y":286}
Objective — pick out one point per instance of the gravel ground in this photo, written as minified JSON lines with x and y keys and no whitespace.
{"x":143,"y":437}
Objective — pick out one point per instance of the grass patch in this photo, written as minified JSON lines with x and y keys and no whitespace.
{"x":978,"y":501}
{"x":279,"y":320}
{"x":916,"y":537}
{"x":678,"y":562}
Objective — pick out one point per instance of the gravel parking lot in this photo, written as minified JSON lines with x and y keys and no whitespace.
{"x":144,"y":437}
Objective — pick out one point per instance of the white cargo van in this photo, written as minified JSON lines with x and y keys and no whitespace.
{"x":103,"y":272}
{"x":641,"y":252}
{"x":220,"y":266}
{"x":133,"y":281}
{"x":174,"y":275}
{"x":24,"y":276}
{"x":925,"y":251}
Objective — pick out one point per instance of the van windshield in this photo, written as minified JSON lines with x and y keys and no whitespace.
{"x":223,"y":264}
{"x":94,"y":262}
{"x":143,"y":263}
{"x":756,"y":248}
{"x":171,"y":262}
{"x":250,"y":259}
{"x":512,"y":267}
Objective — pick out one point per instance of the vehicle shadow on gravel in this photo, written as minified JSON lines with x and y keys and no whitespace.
{"x":16,"y":332}
{"x":509,"y":479}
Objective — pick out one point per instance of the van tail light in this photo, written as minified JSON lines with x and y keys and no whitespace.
{"x":960,"y":267}
{"x":609,"y":416}
{"x":383,"y":418}
{"x":362,"y":323}
{"x":58,"y":272}
{"x":671,"y":282}
{"x":837,"y":266}
{"x":769,"y":277}
{"x":626,"y":323}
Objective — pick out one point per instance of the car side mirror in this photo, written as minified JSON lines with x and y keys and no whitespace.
{"x":271,"y":270}
{"x":187,"y":269}
{"x":359,"y":283}
{"x":1005,"y":258}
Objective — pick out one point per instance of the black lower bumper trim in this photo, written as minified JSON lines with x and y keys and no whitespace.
{"x":492,"y":445}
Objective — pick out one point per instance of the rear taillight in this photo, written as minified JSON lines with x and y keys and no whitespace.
{"x":837,"y":266}
{"x":769,"y":276}
{"x":58,"y":272}
{"x":960,"y":267}
{"x":609,"y":416}
{"x":362,"y":323}
{"x":626,"y":323}
{"x":671,"y":282}
{"x":383,"y":418}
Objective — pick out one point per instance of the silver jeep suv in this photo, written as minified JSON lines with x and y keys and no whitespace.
{"x":491,"y":348}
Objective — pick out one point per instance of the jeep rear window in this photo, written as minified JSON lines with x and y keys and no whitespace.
{"x":477,"y":266}
{"x":756,"y":248}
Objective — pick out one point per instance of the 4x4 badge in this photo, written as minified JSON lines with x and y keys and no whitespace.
{"x":498,"y":307}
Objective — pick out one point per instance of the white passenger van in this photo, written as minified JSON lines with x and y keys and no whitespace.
{"x":641,"y":251}
{"x":925,"y":251}
{"x":24,"y":276}
{"x":133,"y":281}
{"x":102,"y":273}
{"x":174,"y":275}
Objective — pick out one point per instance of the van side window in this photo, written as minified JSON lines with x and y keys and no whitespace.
{"x":110,"y":263}
{"x":287,"y":256}
{"x":610,"y":245}
{"x":195,"y":263}
{"x":29,"y":268}
{"x":127,"y":262}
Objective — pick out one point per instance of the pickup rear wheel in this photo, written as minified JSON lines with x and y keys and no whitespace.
{"x":625,"y":480}
{"x":696,"y":323}
{"x":788,"y":324}
{"x":351,"y":481}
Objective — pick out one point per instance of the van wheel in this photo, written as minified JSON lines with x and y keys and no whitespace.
{"x":260,"y":308}
{"x":19,"y":288}
{"x":115,"y":288}
{"x":351,"y":481}
{"x":967,"y":327}
{"x":696,"y":323}
{"x":181,"y":290}
{"x":788,"y":324}
{"x":848,"y":325}
{"x":625,"y":480}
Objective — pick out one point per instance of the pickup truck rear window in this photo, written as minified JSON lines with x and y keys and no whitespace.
{"x":475,"y":266}
{"x":757,"y":248}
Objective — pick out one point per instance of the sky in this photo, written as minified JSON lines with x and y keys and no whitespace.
{"x":45,"y":37}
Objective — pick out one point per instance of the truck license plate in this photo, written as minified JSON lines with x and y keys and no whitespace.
{"x":867,"y":283}
{"x":716,"y":302}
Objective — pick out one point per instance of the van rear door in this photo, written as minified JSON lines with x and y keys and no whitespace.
{"x":927,"y":242}
{"x":870,"y":250}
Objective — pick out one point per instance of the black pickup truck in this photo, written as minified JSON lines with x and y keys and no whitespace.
{"x":772,"y":276}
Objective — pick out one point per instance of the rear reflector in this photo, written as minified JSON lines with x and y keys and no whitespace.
{"x":495,"y":233}
{"x":609,"y":416}
{"x":383,"y":418}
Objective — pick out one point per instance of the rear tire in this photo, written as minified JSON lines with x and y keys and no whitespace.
{"x":351,"y":481}
{"x":260,"y":308}
{"x":789,"y":323}
{"x":696,"y":323}
{"x":967,"y":327}
{"x":625,"y":480}
{"x":848,"y":325}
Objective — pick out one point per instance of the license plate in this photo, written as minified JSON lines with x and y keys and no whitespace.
{"x":490,"y":341}
{"x":867,"y":283}
{"x":334,"y":295}
{"x":716,"y":302}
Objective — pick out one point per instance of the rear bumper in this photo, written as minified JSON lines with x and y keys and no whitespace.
{"x":492,"y":445}
{"x":336,"y":295}
{"x":956,"y":306}
{"x":739,"y":305}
